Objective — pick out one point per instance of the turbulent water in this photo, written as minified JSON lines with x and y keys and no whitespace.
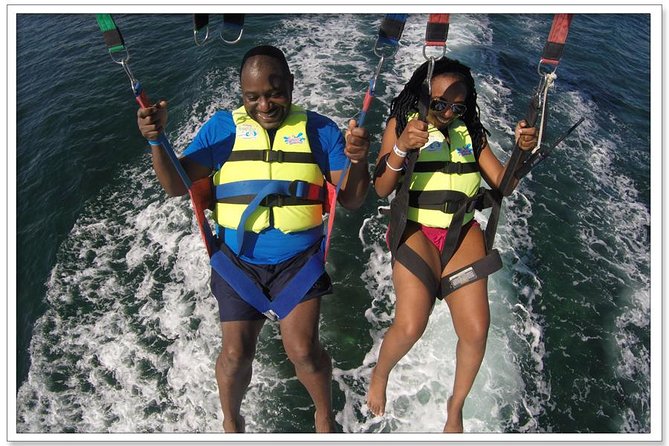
{"x":116,"y":327}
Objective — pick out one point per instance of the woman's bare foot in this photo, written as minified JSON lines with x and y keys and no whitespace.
{"x":235,"y":426}
{"x":454,"y":418}
{"x":376,"y":395}
{"x":324,"y":423}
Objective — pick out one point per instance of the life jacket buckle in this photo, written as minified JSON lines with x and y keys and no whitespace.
{"x":274,"y":156}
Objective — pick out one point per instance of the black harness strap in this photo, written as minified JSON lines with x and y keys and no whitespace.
{"x":471,"y":273}
{"x":418,"y":267}
{"x":446,"y":167}
{"x":274,"y":200}
{"x":271,"y":156}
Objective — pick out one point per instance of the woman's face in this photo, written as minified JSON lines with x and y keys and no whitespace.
{"x":449,"y":93}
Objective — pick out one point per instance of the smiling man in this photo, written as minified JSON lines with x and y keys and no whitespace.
{"x":270,"y":161}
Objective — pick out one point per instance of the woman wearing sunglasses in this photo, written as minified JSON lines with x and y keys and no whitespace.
{"x":453,"y":156}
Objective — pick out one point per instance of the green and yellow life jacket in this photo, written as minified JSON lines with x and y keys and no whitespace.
{"x":445,"y":172}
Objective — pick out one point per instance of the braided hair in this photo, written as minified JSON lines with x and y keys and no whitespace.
{"x":407,"y":101}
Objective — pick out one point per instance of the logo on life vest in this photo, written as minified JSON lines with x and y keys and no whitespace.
{"x":465,"y":151}
{"x":433,"y":146}
{"x":246,"y":131}
{"x":294,"y":139}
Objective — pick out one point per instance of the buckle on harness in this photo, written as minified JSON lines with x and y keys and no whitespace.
{"x":463,"y":277}
{"x":271,"y":315}
{"x":274,"y":156}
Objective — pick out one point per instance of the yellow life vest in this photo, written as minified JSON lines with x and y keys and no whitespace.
{"x":443,"y":175}
{"x":254,"y":161}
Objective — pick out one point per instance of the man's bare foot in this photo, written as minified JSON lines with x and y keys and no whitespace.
{"x":234,"y":426}
{"x":324,"y":423}
{"x":376,"y":395}
{"x":454,"y":418}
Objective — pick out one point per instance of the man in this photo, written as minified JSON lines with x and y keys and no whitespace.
{"x":267,"y":141}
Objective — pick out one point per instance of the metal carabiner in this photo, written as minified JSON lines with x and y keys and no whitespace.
{"x":443,"y":52}
{"x":428,"y":77}
{"x":231,"y":42}
{"x":199,"y":31}
{"x":378,"y":52}
{"x":131,"y":77}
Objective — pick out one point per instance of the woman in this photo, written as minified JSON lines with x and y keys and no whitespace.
{"x":450,"y":133}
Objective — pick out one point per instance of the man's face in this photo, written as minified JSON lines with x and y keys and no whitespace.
{"x":267,"y":91}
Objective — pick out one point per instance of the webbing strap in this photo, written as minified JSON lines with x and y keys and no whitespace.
{"x":298,"y":286}
{"x":446,"y":167}
{"x":418,"y":267}
{"x":391,"y":29}
{"x":271,"y":156}
{"x":478,"y":270}
{"x":296,"y":189}
{"x":300,"y":189}
{"x":200,"y":21}
{"x":240,"y":282}
{"x":436,"y":31}
{"x":436,"y":35}
{"x":399,"y":207}
{"x":280,"y":305}
{"x":112,"y":36}
{"x":556,"y":39}
{"x":234,"y":20}
{"x":442,"y":200}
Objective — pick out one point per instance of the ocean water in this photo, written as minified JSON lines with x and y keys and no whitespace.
{"x":116,"y":327}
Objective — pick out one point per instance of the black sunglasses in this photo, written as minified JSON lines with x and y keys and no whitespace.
{"x":440,"y":106}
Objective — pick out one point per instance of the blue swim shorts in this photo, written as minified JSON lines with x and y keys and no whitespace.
{"x":271,"y":278}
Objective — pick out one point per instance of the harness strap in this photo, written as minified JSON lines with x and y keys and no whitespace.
{"x":280,"y":305}
{"x":483,"y":267}
{"x":399,"y":207}
{"x":271,"y":156}
{"x":556,"y":39}
{"x":262,"y":189}
{"x":418,"y":267}
{"x":436,"y":31}
{"x":391,"y":29}
{"x":110,"y":33}
{"x":439,"y":200}
{"x":446,"y":167}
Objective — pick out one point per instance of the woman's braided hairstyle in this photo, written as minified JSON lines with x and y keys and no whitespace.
{"x":407,"y":101}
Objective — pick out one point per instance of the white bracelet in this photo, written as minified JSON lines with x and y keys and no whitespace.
{"x":393,"y":168}
{"x":399,"y":152}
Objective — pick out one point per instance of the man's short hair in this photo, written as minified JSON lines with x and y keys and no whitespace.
{"x":266,"y":50}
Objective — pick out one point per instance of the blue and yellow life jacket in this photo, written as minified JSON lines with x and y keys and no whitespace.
{"x":265,"y":184}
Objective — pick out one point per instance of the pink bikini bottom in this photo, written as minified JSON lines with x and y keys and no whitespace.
{"x":438,"y":235}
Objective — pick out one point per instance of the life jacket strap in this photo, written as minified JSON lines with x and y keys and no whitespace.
{"x":243,"y":192}
{"x":271,"y":156}
{"x":263,"y":189}
{"x":447,"y":167}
